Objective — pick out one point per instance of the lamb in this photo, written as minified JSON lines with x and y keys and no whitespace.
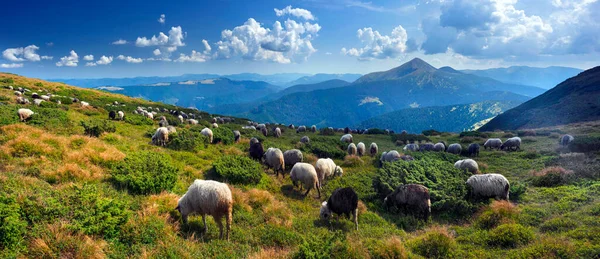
{"x":426,"y":147}
{"x":492,"y":143}
{"x":171,"y":129}
{"x":488,"y":186}
{"x":346,"y":138}
{"x":373,"y":149}
{"x":467,"y":164}
{"x":274,"y":159}
{"x":313,"y":128}
{"x":112,"y":115}
{"x":264,"y":131}
{"x":511,"y":143}
{"x":565,"y":140}
{"x":301,"y":129}
{"x":292,"y":156}
{"x":207,"y":197}
{"x":24,"y":114}
{"x":305,"y":140}
{"x":473,"y":149}
{"x":207,"y":133}
{"x":360,"y":148}
{"x":342,"y":201}
{"x":161,"y":136}
{"x":410,"y":197}
{"x":121,"y":115}
{"x":439,"y":147}
{"x":454,"y":149}
{"x":352,"y":149}
{"x":261,"y":126}
{"x":411,"y":147}
{"x":326,"y":168}
{"x":307,"y":176}
{"x":236,"y":135}
{"x":390,"y":156}
{"x":256,"y":149}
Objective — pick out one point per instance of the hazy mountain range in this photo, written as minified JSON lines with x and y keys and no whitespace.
{"x":535,"y":76}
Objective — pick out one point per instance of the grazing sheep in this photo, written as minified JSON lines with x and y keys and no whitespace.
{"x":180,"y":118}
{"x":439,"y":147}
{"x":467,"y":164}
{"x":161,"y":136}
{"x":171,"y":129}
{"x":38,"y":102}
{"x":277,"y":132}
{"x":346,"y":138}
{"x":426,"y":147}
{"x":274,"y":159}
{"x":301,"y":129}
{"x":192,"y":121}
{"x":305,"y":140}
{"x":207,"y":197}
{"x":291,"y":126}
{"x":410,"y":197}
{"x":347,"y":130}
{"x":45,"y":97}
{"x":352,"y":149}
{"x":292,"y":156}
{"x":214,"y":125}
{"x":163,"y":123}
{"x":407,"y":158}
{"x":342,"y":201}
{"x":22,"y":100}
{"x":411,"y":147}
{"x":35,"y":96}
{"x":24,"y":114}
{"x":390,"y":156}
{"x":256,"y":149}
{"x":249,"y":127}
{"x":373,"y":149}
{"x":17,"y":93}
{"x":264,"y":131}
{"x":121,"y":115}
{"x":360,"y":148}
{"x":84,"y":104}
{"x":473,"y":149}
{"x":454,"y":149}
{"x":509,"y":144}
{"x":492,"y":143}
{"x":254,"y":141}
{"x":326,"y":168}
{"x":208,"y":133}
{"x":261,"y":126}
{"x":10,"y":87}
{"x":313,"y":128}
{"x":307,"y":176}
{"x":488,"y":186}
{"x":236,"y":135}
{"x":565,"y":140}
{"x":112,"y":115}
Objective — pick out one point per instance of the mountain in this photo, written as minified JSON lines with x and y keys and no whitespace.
{"x":201,"y":94}
{"x":574,"y":100}
{"x":308,"y":87}
{"x":452,"y":118}
{"x":318,"y":78}
{"x":535,"y":76}
{"x":407,"y":68}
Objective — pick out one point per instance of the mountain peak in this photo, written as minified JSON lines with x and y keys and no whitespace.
{"x":414,"y":65}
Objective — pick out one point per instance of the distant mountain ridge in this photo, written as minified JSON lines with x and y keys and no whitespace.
{"x":545,"y":78}
{"x":319,"y":78}
{"x":575,"y":100}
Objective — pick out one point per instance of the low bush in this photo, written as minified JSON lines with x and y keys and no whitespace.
{"x":135,"y":119}
{"x":435,"y":243}
{"x":391,"y":248}
{"x":7,"y":81}
{"x":12,"y":227}
{"x":469,"y":139}
{"x":508,"y":135}
{"x":145,"y":173}
{"x":352,"y":161}
{"x":526,"y":133}
{"x":50,"y":118}
{"x":238,"y":169}
{"x":497,"y":213}
{"x":551,"y":176}
{"x":548,"y":248}
{"x":95,"y":128}
{"x":8,"y":115}
{"x":186,"y":140}
{"x":559,"y":224}
{"x":405,"y":138}
{"x":431,"y":132}
{"x":376,"y":131}
{"x":585,"y":144}
{"x":318,"y":245}
{"x":327,"y":132}
{"x":63,"y":100}
{"x":324,"y":148}
{"x":223,"y":135}
{"x":510,"y":236}
{"x":582,"y":165}
{"x":475,"y":134}
{"x":517,"y":189}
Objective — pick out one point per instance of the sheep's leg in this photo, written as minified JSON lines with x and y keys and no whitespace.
{"x":204,"y":221}
{"x":228,"y":218}
{"x":319,"y":191}
{"x":355,"y":214}
{"x":220,"y":224}
{"x":308,"y":190}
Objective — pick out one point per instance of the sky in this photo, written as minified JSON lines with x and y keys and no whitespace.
{"x":95,"y":39}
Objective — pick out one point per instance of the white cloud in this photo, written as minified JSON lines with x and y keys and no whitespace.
{"x":328,"y":53}
{"x":156,"y":52}
{"x":161,"y":19}
{"x":88,"y":57}
{"x":104,"y":60}
{"x":159,"y":59}
{"x":90,"y":64}
{"x":130,"y":59}
{"x":285,"y":43}
{"x":22,"y":54}
{"x":377,"y":46}
{"x":69,"y":61}
{"x":13,"y":65}
{"x":207,"y":48}
{"x":47,"y":57}
{"x":175,"y":38}
{"x":119,"y":42}
{"x":298,"y":12}
{"x":194,"y":57}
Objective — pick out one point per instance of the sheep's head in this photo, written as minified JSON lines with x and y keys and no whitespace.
{"x":325,"y":213}
{"x":339,"y":171}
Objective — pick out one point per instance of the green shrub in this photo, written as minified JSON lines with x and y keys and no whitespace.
{"x":436,"y":243}
{"x":526,"y":133}
{"x":551,"y":176}
{"x":559,"y":224}
{"x":530,"y":155}
{"x":431,"y":132}
{"x":324,"y":150}
{"x":327,"y":132}
{"x":39,"y":84}
{"x":376,"y":131}
{"x":510,"y":236}
{"x":95,"y":128}
{"x":143,"y":230}
{"x":517,"y":189}
{"x":135,"y":119}
{"x":12,"y":227}
{"x":145,"y":173}
{"x":585,"y":144}
{"x":63,"y":100}
{"x":8,"y":115}
{"x":549,"y":248}
{"x":50,"y":105}
{"x":223,"y":135}
{"x":475,"y":134}
{"x":7,"y":81}
{"x":499,"y":212}
{"x":238,"y":169}
{"x":317,"y":246}
{"x":50,"y":118}
{"x":186,"y":140}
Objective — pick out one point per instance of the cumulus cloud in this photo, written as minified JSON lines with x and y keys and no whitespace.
{"x":377,"y":46}
{"x":21,"y":54}
{"x":90,"y":64}
{"x":13,"y":65}
{"x":119,"y":42}
{"x":69,"y":61}
{"x":156,"y":52}
{"x":298,"y":12}
{"x":104,"y":60}
{"x":130,"y":59}
{"x":175,"y":38}
{"x":88,"y":57}
{"x":47,"y":57}
{"x":196,"y":56}
{"x":283,"y":43}
{"x":162,"y":18}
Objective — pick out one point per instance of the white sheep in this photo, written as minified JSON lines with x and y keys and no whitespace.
{"x":439,"y":147}
{"x":565,"y":140}
{"x":161,"y":136}
{"x":38,"y":102}
{"x":121,"y":115}
{"x":467,"y":164}
{"x":307,"y":175}
{"x":390,"y":156}
{"x":180,"y":118}
{"x":313,"y":128}
{"x":509,"y":144}
{"x":488,"y":186}
{"x":214,"y":125}
{"x":274,"y":159}
{"x":45,"y":98}
{"x":360,"y":148}
{"x":301,"y":129}
{"x":24,"y":114}
{"x":454,"y":149}
{"x":192,"y":121}
{"x":305,"y":140}
{"x":352,"y":149}
{"x":326,"y":168}
{"x":22,"y":100}
{"x":208,"y":133}
{"x":492,"y":143}
{"x":346,"y":138}
{"x":277,"y":132}
{"x":207,"y":197}
{"x":171,"y":129}
{"x":84,"y":104}
{"x":17,"y":93}
{"x":411,"y":147}
{"x":292,"y":156}
{"x":373,"y":149}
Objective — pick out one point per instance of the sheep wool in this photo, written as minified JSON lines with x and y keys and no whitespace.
{"x":346,"y":138}
{"x":274,"y":159}
{"x":467,"y":164}
{"x":121,"y":115}
{"x":292,"y":156}
{"x":565,"y":140}
{"x":454,"y":149}
{"x":307,"y":176}
{"x":489,"y":186}
{"x":373,"y":149}
{"x":326,"y":168}
{"x":208,"y":133}
{"x":411,"y":197}
{"x":277,"y":132}
{"x":492,"y":143}
{"x":352,"y":149}
{"x":24,"y":114}
{"x":439,"y":147}
{"x":161,"y":136}
{"x":360,"y":148}
{"x":342,"y":201}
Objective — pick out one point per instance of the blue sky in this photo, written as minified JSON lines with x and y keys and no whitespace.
{"x":77,"y":39}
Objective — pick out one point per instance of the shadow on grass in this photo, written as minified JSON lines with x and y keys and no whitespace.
{"x":338,"y":222}
{"x":289,"y":191}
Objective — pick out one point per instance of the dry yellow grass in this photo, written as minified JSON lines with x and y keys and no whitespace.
{"x":60,"y":242}
{"x":270,"y":253}
{"x":392,"y":248}
{"x":274,"y":211}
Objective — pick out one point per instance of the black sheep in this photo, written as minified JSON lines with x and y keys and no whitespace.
{"x":473,"y":149}
{"x":342,"y":201}
{"x":112,"y":115}
{"x":346,"y":130}
{"x":410,"y":197}
{"x":256,"y":150}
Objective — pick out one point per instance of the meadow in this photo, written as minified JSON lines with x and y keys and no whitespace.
{"x":67,"y":192}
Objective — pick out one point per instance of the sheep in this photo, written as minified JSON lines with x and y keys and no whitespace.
{"x":84,"y":104}
{"x":352,"y":149}
{"x":342,"y":201}
{"x":208,"y":133}
{"x":454,"y":149}
{"x":410,"y":197}
{"x":301,"y":129}
{"x":10,"y":87}
{"x":307,"y":176}
{"x":277,"y":132}
{"x":35,"y":96}
{"x":264,"y":131}
{"x":121,"y":115}
{"x":291,"y":126}
{"x":207,"y":197}
{"x":163,"y":122}
{"x":116,"y":103}
{"x":511,"y":143}
{"x":439,"y":147}
{"x":45,"y":97}
{"x":273,"y":158}
{"x":22,"y":100}
{"x":411,"y":147}
{"x":565,"y":140}
{"x":360,"y":148}
{"x":313,"y":128}
{"x":112,"y":115}
{"x":24,"y":114}
{"x":192,"y":121}
{"x":473,"y":149}
{"x":407,"y":158}
{"x":373,"y":149}
{"x":346,"y":130}
{"x":326,"y":168}
{"x":17,"y":93}
{"x":161,"y":136}
{"x":256,"y":149}
{"x":426,"y":147}
{"x":346,"y":138}
{"x":171,"y":129}
{"x":488,"y":186}
{"x":467,"y":164}
{"x":38,"y":102}
{"x":180,"y":118}
{"x":214,"y":125}
{"x":492,"y":143}
{"x":260,"y":126}
{"x":390,"y":156}
{"x":305,"y":140}
{"x":236,"y":135}
{"x":292,"y":156}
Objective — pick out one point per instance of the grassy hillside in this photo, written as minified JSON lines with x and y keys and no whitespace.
{"x":67,"y":195}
